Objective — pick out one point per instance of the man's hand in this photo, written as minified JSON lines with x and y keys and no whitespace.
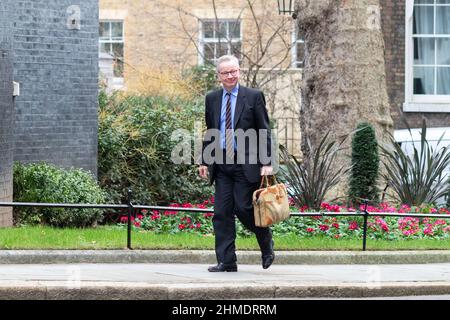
{"x":203,"y":171}
{"x":266,"y":170}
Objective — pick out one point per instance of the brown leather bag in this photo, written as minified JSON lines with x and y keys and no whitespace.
{"x":270,"y":204}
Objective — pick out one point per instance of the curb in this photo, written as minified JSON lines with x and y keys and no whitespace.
{"x":132,"y":291}
{"x":209,"y":257}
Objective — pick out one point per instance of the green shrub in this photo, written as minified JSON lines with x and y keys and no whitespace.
{"x":45,"y":183}
{"x":135,"y":149}
{"x":365,"y":165}
{"x":204,"y":76}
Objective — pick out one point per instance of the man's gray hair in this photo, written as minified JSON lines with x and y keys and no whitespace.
{"x":226,"y":58}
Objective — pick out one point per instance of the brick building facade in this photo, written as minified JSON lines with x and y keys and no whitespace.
{"x":172,"y":36}
{"x":6,"y":111}
{"x":54,"y":57}
{"x":395,"y":26}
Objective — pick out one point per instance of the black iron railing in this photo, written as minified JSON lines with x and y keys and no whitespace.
{"x":132,"y":209}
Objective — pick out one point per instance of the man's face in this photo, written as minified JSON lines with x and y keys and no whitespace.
{"x":229,"y":75}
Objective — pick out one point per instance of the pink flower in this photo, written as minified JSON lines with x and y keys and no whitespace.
{"x":337,"y":236}
{"x":170,"y":213}
{"x":309,"y":230}
{"x":174,"y":205}
{"x":428,"y":231}
{"x":303,"y":208}
{"x":382,"y":224}
{"x":186,"y":219}
{"x":335,"y":225}
{"x":353,"y":225}
{"x":291,"y":201}
{"x":181,"y":226}
{"x":324,"y":227}
{"x":335,"y":208}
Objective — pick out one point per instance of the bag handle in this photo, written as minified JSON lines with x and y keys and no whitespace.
{"x":267,"y":181}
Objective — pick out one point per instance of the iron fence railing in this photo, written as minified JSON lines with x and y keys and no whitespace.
{"x":132,"y":211}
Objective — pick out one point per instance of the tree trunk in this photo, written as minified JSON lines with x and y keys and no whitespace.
{"x":344,"y":75}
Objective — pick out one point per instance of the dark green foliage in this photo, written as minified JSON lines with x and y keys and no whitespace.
{"x":45,"y":183}
{"x":135,"y":149}
{"x":365,"y":165}
{"x":418,"y":178}
{"x":204,"y":77}
{"x":309,"y":181}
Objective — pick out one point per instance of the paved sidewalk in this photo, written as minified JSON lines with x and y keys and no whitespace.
{"x":209,"y":257}
{"x":190,"y":280}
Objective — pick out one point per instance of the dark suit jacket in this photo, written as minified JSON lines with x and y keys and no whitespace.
{"x":250,"y":113}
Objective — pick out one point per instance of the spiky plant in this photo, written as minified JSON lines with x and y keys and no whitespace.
{"x":309,"y":181}
{"x":418,"y":178}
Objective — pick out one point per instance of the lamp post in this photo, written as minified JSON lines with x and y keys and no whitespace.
{"x":287,"y":6}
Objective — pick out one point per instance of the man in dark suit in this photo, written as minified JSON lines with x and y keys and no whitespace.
{"x":236,"y":166}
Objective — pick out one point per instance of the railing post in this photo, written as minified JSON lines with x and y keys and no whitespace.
{"x":130,"y":213}
{"x":366,"y":215}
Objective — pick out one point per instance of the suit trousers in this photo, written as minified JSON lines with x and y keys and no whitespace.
{"x":233,"y":197}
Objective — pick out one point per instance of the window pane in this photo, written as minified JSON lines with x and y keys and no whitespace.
{"x":208,"y":51}
{"x":423,"y":80}
{"x":443,"y":51}
{"x":117,"y":30}
{"x":424,"y":1}
{"x":442,"y":20}
{"x":105,"y":47}
{"x":300,"y":54}
{"x":117,"y":49}
{"x":236,"y":48}
{"x":443,"y":80}
{"x":208,"y":29}
{"x":222,"y":31}
{"x":221,"y":49}
{"x":423,"y":51}
{"x":423,"y":20}
{"x":104,"y":30}
{"x":118,"y":68}
{"x":443,"y":2}
{"x":235,"y":30}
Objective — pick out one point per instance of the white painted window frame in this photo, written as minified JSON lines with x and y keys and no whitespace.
{"x":418,"y":103}
{"x":295,"y":41}
{"x":203,"y":41}
{"x":118,"y":82}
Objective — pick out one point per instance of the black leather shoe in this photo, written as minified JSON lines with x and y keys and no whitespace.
{"x":223,"y":268}
{"x":268,"y":259}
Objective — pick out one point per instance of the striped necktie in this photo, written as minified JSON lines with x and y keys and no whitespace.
{"x":229,"y":139}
